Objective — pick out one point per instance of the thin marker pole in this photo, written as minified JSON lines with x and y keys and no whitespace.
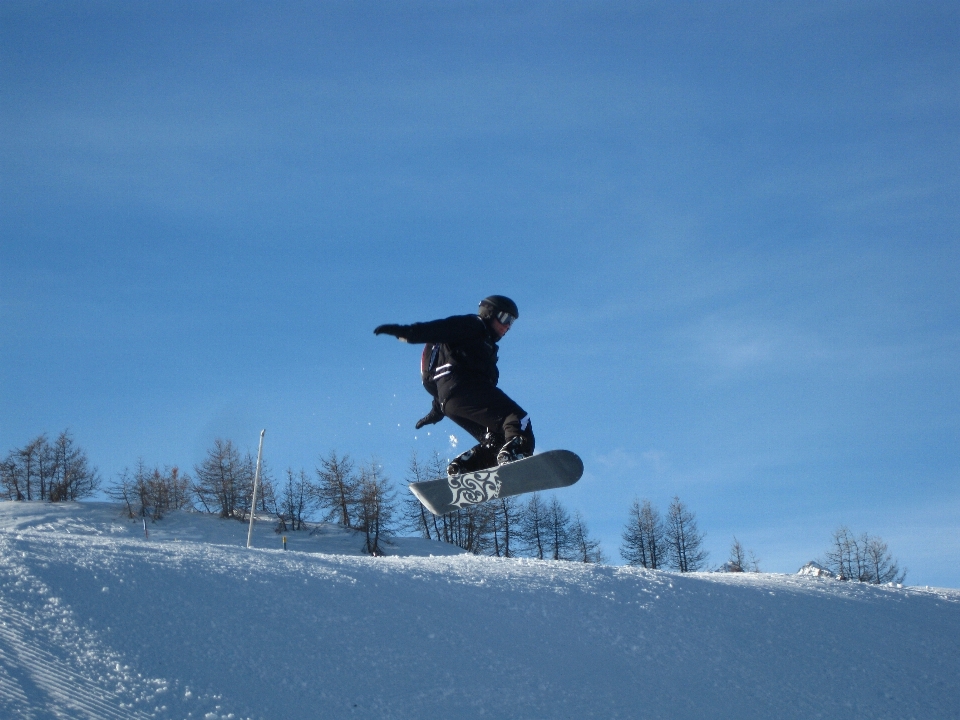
{"x":256,"y":481}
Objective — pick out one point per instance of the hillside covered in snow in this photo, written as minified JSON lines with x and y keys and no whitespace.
{"x":98,"y":621}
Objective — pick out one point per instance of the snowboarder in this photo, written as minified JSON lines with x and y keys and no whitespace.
{"x":460,"y":370}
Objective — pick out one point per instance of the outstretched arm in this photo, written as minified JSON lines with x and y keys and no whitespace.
{"x":449,"y":330}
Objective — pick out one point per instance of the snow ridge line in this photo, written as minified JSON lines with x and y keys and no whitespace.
{"x":13,"y":700}
{"x":32,"y":677}
{"x":66,"y":687}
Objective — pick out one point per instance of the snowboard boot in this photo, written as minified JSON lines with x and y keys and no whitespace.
{"x":514,"y":449}
{"x":479,"y":457}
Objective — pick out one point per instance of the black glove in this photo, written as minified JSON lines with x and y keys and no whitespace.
{"x":395,"y":330}
{"x":431,"y":418}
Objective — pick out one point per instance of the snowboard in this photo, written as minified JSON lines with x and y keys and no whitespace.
{"x":546,"y":471}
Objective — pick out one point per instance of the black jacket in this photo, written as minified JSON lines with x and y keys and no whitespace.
{"x":468,"y":351}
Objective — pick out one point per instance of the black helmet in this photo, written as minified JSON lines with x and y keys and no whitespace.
{"x":498,"y":306}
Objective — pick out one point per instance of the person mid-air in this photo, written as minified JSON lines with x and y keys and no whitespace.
{"x":459,"y":368}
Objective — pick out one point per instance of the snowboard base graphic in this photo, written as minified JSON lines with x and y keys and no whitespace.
{"x":546,"y":471}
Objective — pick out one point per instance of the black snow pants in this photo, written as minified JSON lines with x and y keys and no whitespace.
{"x":480,"y":409}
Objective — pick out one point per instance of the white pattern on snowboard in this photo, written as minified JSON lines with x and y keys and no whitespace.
{"x":473,"y":488}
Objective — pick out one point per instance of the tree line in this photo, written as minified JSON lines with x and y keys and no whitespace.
{"x":48,"y":470}
{"x":674,"y":542}
{"x":359,"y":497}
{"x":362,"y":498}
{"x":222,"y":484}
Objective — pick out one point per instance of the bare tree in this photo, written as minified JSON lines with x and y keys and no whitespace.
{"x":864,"y":558}
{"x":586,"y":549}
{"x":505,"y":516}
{"x":124,"y":491}
{"x":151,"y":492}
{"x":27,"y":472}
{"x":11,"y":479}
{"x":738,"y":557}
{"x":224,"y":481}
{"x":73,"y":478}
{"x":534,"y":526}
{"x":559,"y":540}
{"x":883,"y":567}
{"x":295,"y":499}
{"x":376,"y":506}
{"x":414,"y":515}
{"x":337,"y":491}
{"x":37,"y":461}
{"x":740,"y":560}
{"x":178,"y":489}
{"x":470,"y":527}
{"x":846,"y":555}
{"x":130,"y":488}
{"x":643,"y":537}
{"x":684,"y":541}
{"x":46,"y":463}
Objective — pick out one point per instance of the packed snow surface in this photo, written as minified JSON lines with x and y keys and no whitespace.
{"x":97,"y":621}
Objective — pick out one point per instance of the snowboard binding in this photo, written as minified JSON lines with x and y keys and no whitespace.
{"x":512,"y":450}
{"x":481,"y":456}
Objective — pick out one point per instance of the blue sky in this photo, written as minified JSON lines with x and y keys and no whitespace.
{"x":731,"y":229}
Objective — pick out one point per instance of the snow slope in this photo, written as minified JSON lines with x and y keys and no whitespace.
{"x":98,"y":622}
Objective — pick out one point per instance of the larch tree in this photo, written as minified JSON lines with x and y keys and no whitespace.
{"x":643,"y":537}
{"x":73,"y":478}
{"x":883,"y":567}
{"x":533,"y":526}
{"x":27,"y":472}
{"x":506,"y":512}
{"x":295,"y":498}
{"x":338,"y":487}
{"x":375,"y":507}
{"x":737,"y":562}
{"x":558,"y":531}
{"x":224,"y":481}
{"x":585,"y":548}
{"x":414,"y":515}
{"x":684,"y":541}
